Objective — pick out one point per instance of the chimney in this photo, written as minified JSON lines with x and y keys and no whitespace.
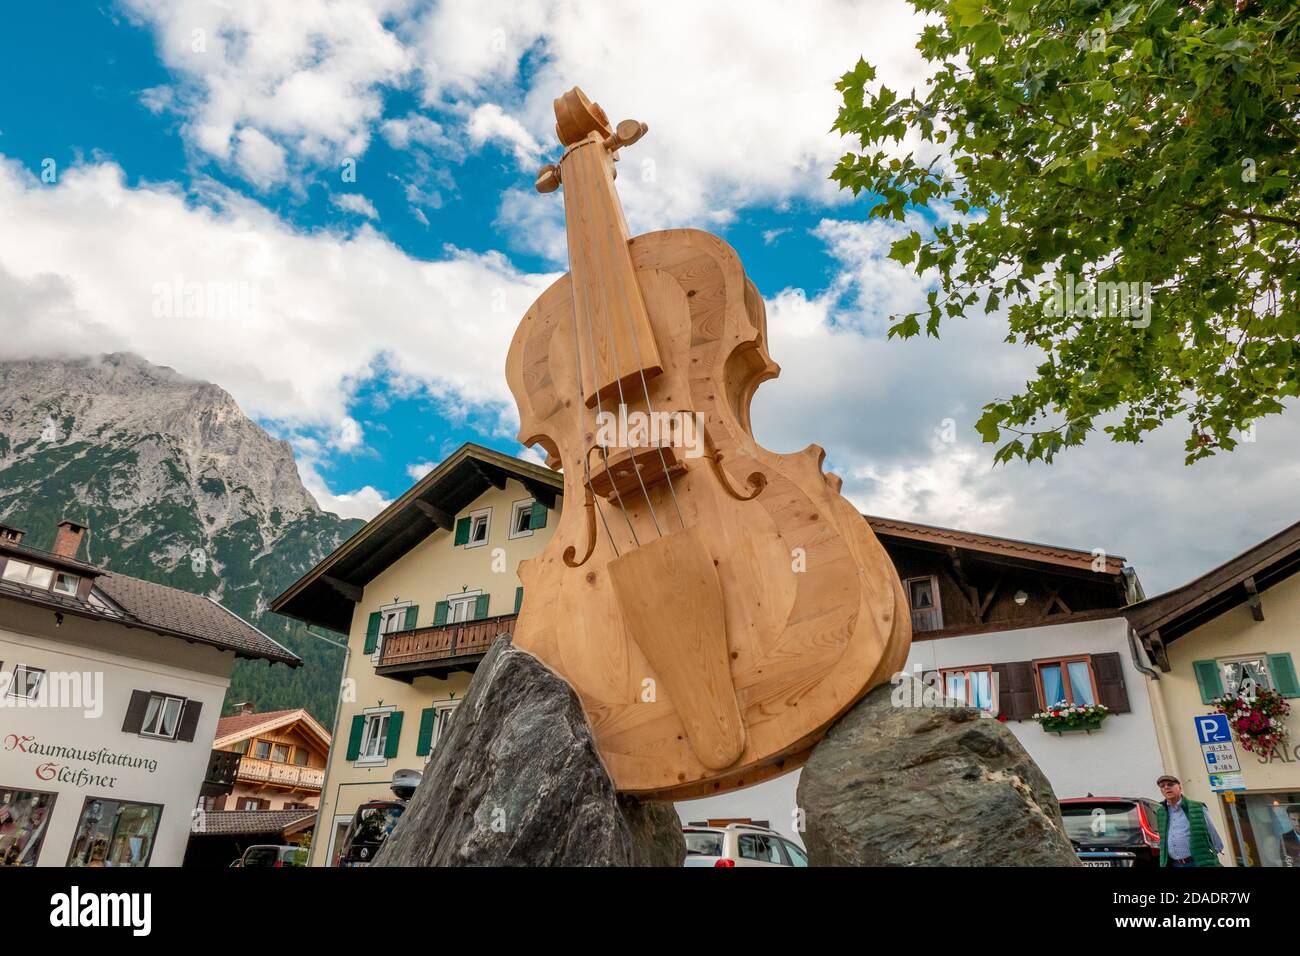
{"x":244,"y":709}
{"x":68,"y":540}
{"x":10,"y":534}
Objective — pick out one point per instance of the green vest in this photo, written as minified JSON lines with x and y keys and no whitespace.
{"x":1202,"y":850}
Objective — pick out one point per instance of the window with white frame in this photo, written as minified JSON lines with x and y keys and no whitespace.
{"x":391,"y":620}
{"x":460,"y":607}
{"x":66,"y":583}
{"x":374,"y":737}
{"x":162,"y":717}
{"x":1245,"y":675}
{"x":521,"y":518}
{"x":33,"y":575}
{"x":26,"y":682}
{"x":442,"y":717}
{"x":478,"y":528}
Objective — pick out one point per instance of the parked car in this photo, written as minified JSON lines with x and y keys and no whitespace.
{"x":374,"y":821}
{"x":267,"y":854}
{"x":740,"y":844}
{"x":1113,"y":831}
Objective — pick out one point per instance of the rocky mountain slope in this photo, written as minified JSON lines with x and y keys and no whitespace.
{"x":178,"y":486}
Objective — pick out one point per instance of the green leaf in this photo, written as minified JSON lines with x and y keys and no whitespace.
{"x":985,"y":40}
{"x":966,"y":12}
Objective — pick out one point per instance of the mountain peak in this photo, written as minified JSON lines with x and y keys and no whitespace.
{"x":177,"y":486}
{"x":180,"y":429}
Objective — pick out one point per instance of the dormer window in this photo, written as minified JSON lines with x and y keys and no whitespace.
{"x":33,"y":575}
{"x":40,"y":577}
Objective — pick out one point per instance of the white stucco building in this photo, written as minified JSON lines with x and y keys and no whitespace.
{"x":110,"y":691}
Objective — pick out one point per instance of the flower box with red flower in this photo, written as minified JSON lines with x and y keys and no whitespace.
{"x":1064,"y":717}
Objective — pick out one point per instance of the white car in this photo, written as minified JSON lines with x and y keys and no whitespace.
{"x":740,"y":844}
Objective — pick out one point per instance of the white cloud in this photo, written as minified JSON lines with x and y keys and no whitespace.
{"x":260,"y":160}
{"x":414,"y":128}
{"x":157,"y":99}
{"x":315,"y":313}
{"x":419,"y":469}
{"x":738,"y":95}
{"x":350,"y":434}
{"x":357,"y":203}
{"x":490,"y":124}
{"x":362,"y":503}
{"x":308,"y":74}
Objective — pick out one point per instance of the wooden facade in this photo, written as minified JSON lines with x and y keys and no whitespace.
{"x":282,"y":758}
{"x":986,"y":583}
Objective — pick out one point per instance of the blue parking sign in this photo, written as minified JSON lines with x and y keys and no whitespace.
{"x":1213,"y":729}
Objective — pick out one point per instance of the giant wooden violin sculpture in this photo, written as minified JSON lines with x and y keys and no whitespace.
{"x":715,"y":606}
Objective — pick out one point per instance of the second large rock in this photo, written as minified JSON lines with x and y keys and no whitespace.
{"x":927,"y":786}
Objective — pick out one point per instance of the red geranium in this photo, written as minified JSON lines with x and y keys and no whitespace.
{"x":1257,"y":720}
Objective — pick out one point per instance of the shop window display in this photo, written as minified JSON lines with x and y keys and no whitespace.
{"x":115,"y":833}
{"x":24,"y":817}
{"x":1270,"y":826}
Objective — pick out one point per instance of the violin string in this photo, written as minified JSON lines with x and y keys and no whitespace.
{"x":622,"y":402}
{"x":645,"y":388}
{"x":595,"y":500}
{"x":582,"y":405}
{"x":600,"y":408}
{"x":650,"y":408}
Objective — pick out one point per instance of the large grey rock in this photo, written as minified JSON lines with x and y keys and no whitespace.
{"x":927,"y":786}
{"x":518,"y":782}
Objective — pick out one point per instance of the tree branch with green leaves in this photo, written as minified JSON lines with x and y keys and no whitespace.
{"x":1119,"y":145}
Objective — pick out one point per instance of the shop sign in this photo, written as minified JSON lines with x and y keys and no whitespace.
{"x":1219,"y":782}
{"x":93,"y":777}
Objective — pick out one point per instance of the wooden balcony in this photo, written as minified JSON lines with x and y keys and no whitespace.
{"x":272,"y":774}
{"x":437,"y":651}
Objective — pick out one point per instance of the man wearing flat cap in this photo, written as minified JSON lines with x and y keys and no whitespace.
{"x":1187,"y":834}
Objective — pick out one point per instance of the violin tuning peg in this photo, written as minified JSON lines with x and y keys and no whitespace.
{"x":548,"y":178}
{"x":626,"y":133}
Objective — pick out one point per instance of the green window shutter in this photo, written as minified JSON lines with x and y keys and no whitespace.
{"x":412,"y":613}
{"x":1209,"y":679}
{"x":394,"y":734}
{"x":354,"y":738}
{"x":538,"y":518}
{"x":1281,"y":669}
{"x":519,"y":599}
{"x":426,"y":732}
{"x":440,"y":614}
{"x":480,"y":606}
{"x":462,"y":532}
{"x":372,"y":633}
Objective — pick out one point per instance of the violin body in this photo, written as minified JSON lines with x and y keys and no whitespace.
{"x":715,"y":609}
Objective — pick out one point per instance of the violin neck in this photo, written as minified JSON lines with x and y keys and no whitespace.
{"x":616,"y":341}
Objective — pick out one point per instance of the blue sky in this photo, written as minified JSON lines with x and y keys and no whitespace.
{"x":212,"y":143}
{"x":95,"y":111}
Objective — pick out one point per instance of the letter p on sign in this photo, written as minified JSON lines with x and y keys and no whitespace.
{"x":1213,"y":729}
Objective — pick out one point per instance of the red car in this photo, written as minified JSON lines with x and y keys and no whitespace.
{"x":1113,"y":831}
